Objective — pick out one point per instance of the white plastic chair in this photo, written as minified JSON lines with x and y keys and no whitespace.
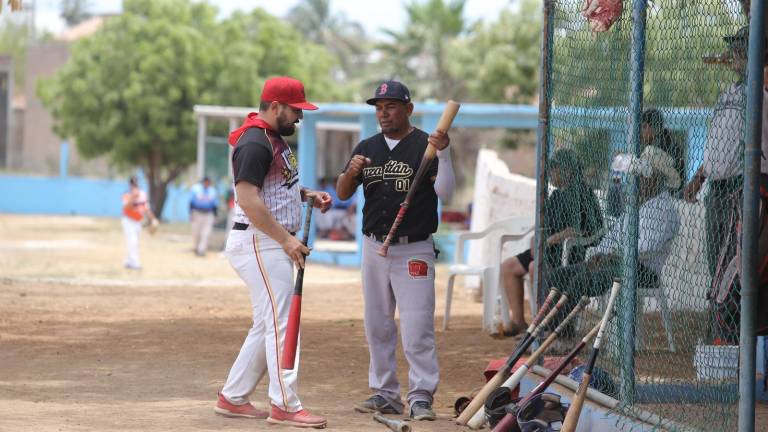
{"x":500,"y":232}
{"x":642,"y":294}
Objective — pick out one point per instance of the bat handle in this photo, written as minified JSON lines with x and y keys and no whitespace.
{"x":384,"y":249}
{"x":505,"y":424}
{"x":572,"y":418}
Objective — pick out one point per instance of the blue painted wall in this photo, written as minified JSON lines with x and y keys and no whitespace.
{"x":80,"y":196}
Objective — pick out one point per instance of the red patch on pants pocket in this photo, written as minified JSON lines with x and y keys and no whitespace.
{"x":418,"y":268}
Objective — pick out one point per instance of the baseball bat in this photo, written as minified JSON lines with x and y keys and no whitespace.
{"x":553,"y":292}
{"x":294,"y":316}
{"x":494,"y":383}
{"x":572,"y":418}
{"x":478,"y":419}
{"x":506,"y":423}
{"x":451,"y":108}
{"x":395,"y":425}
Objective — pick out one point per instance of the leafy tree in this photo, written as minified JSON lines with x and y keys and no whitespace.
{"x":500,"y":60}
{"x":420,"y":54}
{"x":75,"y":11}
{"x":593,"y":70}
{"x":345,"y":39}
{"x":258,"y":45}
{"x":128,"y":91}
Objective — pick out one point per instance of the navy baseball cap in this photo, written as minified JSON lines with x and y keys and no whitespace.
{"x":390,"y":90}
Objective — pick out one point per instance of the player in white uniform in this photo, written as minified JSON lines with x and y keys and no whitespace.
{"x":263,"y":250}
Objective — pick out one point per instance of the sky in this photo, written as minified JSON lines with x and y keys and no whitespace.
{"x":373,"y":15}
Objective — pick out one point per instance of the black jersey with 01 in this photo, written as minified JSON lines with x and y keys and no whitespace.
{"x":386,"y":182}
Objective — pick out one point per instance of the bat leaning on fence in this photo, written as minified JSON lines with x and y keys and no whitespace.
{"x":294,"y":316}
{"x":449,"y":113}
{"x":572,"y":418}
{"x":512,"y":382}
{"x":508,"y":421}
{"x":533,"y":330}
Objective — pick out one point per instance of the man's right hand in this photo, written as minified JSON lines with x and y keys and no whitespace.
{"x":356,"y":165}
{"x":694,"y":186}
{"x":295,"y":250}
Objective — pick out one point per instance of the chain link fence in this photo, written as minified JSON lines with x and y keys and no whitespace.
{"x":657,"y":208}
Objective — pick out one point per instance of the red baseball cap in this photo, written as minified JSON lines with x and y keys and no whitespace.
{"x":286,"y":90}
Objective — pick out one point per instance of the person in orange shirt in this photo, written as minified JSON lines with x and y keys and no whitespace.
{"x":135,"y":209}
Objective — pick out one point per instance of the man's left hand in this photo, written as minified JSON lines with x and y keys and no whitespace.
{"x":323,"y":200}
{"x":439,"y":139}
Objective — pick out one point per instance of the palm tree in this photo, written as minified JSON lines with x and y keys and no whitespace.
{"x":419,"y":54}
{"x":345,"y":39}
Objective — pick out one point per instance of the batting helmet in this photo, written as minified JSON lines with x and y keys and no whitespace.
{"x":496,"y":405}
{"x":600,"y":380}
{"x":543,"y":413}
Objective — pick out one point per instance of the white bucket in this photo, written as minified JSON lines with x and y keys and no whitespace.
{"x":716,"y":362}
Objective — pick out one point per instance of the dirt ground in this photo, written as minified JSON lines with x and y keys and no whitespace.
{"x":88,"y":346}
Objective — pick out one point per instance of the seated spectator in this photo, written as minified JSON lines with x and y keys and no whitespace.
{"x":335,"y":224}
{"x":571,"y":210}
{"x":658,"y":225}
{"x":654,"y":132}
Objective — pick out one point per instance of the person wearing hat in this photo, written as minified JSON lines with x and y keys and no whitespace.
{"x":723,"y":162}
{"x":203,"y":203}
{"x":572,"y":210}
{"x":263,"y":250}
{"x":658,"y":225}
{"x":385,"y":164}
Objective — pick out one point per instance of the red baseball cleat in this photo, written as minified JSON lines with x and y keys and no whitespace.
{"x":299,"y":419}
{"x":228,"y":409}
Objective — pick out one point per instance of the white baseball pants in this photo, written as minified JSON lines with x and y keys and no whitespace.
{"x":131,"y":230}
{"x":268,"y":272}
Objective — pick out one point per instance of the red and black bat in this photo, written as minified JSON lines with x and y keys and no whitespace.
{"x":572,"y":418}
{"x":451,"y":108}
{"x":522,"y":346}
{"x":509,"y":420}
{"x":294,"y":316}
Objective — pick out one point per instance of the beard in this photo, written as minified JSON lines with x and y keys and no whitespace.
{"x":284,"y":127}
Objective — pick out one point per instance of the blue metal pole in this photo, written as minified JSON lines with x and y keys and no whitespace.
{"x":750,"y":223}
{"x":308,"y":159}
{"x":542,"y":137}
{"x":629,"y":287}
{"x":368,"y":127}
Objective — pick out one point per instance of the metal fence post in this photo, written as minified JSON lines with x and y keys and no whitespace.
{"x":629,"y":288}
{"x":750,"y":223}
{"x":542,"y":138}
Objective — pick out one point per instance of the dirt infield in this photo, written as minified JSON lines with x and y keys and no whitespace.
{"x":88,"y":346}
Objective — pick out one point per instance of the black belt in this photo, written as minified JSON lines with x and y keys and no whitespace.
{"x":398,"y":239}
{"x":239,"y":226}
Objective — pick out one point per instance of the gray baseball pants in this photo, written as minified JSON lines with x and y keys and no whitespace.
{"x":405,"y":279}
